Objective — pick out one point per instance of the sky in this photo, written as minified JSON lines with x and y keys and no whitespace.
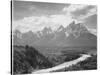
{"x":34,"y":16}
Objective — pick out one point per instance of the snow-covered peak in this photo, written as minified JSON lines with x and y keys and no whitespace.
{"x":47,"y":30}
{"x":76,"y":29}
{"x":61,"y":28}
{"x":17,"y":33}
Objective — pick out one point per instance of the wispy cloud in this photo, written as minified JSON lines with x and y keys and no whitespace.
{"x":35,"y":23}
{"x":89,"y":13}
{"x":72,"y":8}
{"x":80,"y":12}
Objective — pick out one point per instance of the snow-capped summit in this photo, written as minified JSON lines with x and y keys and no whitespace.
{"x":61,"y":28}
{"x":76,"y":29}
{"x":47,"y":30}
{"x":17,"y":34}
{"x":75,"y":34}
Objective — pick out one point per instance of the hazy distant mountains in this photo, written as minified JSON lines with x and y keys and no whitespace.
{"x":72,"y":35}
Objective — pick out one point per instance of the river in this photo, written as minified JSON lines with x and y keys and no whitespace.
{"x":64,"y":65}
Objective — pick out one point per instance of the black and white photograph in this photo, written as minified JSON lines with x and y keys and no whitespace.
{"x":53,"y":37}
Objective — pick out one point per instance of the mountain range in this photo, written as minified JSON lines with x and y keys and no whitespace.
{"x":72,"y":35}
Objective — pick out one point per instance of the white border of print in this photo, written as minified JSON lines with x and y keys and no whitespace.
{"x":5,"y":23}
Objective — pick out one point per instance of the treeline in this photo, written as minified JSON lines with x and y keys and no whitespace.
{"x":27,"y":59}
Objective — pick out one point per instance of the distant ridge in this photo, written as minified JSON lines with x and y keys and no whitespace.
{"x":72,"y":35}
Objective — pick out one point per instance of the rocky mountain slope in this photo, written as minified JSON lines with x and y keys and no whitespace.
{"x":72,"y":35}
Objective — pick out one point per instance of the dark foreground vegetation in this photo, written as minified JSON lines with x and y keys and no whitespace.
{"x":28,"y":59}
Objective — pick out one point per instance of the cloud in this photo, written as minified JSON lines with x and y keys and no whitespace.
{"x":80,"y":12}
{"x":36,"y":23}
{"x":90,"y":12}
{"x":61,"y":19}
{"x":72,"y":8}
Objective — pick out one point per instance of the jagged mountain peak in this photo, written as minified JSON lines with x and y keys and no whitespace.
{"x":29,"y":32}
{"x":17,"y":33}
{"x":46,"y":30}
{"x":61,"y":28}
{"x":79,"y":27}
{"x":73,"y":22}
{"x":65,"y":36}
{"x":76,"y":29}
{"x":82,"y":27}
